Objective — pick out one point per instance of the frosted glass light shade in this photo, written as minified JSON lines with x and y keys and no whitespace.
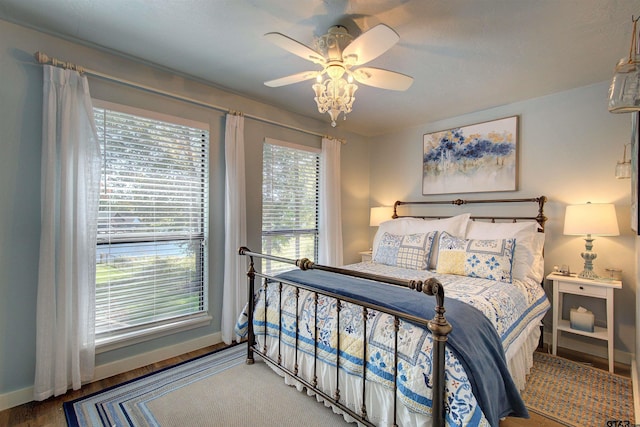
{"x":624,"y":92}
{"x":623,"y":170}
{"x":379,"y":215}
{"x":597,"y":219}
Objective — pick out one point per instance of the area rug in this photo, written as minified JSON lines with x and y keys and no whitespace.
{"x":576,"y":394}
{"x":217,"y":389}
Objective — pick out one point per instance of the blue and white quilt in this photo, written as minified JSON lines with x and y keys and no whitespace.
{"x":509,"y":308}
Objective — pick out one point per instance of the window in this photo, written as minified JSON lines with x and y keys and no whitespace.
{"x":290,"y":175}
{"x":152,"y":226}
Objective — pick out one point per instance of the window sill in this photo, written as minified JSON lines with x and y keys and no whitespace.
{"x":130,"y":337}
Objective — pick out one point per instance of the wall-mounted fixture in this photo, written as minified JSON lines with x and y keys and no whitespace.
{"x":623,"y":168}
{"x":624,"y":92}
{"x":590,"y":219}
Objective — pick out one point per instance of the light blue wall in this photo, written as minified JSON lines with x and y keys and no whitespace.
{"x":20,"y":130}
{"x":568,"y":149}
{"x":20,"y":142}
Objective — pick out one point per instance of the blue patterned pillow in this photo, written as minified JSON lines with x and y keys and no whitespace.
{"x":487,"y":259}
{"x":406,"y":251}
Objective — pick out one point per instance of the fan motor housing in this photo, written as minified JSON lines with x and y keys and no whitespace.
{"x":333,"y":43}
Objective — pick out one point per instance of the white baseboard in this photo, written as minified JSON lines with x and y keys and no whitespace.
{"x":16,"y":398}
{"x":597,"y":349}
{"x":25,"y":395}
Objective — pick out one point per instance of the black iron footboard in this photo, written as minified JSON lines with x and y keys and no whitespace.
{"x":439,"y":327}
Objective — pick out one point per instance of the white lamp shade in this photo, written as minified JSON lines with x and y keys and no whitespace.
{"x":598,"y":219}
{"x":379,"y":215}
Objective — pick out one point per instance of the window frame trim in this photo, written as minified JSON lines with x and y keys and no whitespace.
{"x":112,"y":340}
{"x":139,"y":335}
{"x":150,"y":114}
{"x":293,"y":145}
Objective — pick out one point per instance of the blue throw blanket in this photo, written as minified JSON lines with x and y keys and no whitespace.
{"x":472,"y":339}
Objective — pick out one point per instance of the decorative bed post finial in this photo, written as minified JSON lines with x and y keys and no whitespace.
{"x":395,"y":209}
{"x":304,"y":264}
{"x":541,"y":218}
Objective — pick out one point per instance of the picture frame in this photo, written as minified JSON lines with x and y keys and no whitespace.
{"x":481,"y":157}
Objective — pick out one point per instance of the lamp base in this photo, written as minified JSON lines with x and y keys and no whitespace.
{"x":588,"y":257}
{"x":588,"y":274}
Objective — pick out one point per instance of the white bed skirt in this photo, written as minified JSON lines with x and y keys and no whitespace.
{"x":379,"y":400}
{"x":520,"y":354}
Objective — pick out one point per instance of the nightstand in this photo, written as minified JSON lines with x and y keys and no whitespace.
{"x":598,"y":288}
{"x":366,"y":255}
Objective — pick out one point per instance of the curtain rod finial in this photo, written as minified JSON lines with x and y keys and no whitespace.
{"x":42,"y":58}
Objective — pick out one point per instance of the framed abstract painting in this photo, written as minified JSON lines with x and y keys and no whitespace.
{"x":470,"y":159}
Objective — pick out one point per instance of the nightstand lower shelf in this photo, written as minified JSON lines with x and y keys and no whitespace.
{"x":591,"y":288}
{"x":598,"y":332}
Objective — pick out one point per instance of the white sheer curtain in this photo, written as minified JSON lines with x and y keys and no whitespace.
{"x":330,"y":211}
{"x":65,"y":347}
{"x":234,"y":294}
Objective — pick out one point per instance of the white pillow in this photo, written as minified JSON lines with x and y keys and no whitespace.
{"x":536,"y":272}
{"x":527,"y":257}
{"x":455,"y":225}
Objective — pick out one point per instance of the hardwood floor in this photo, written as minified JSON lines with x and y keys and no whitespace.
{"x":50,"y":413}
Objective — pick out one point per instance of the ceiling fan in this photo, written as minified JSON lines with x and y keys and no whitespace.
{"x":340,"y":55}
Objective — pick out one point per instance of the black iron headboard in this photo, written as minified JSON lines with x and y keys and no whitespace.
{"x":540,"y":218}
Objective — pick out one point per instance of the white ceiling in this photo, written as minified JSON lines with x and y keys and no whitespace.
{"x":465,"y":55}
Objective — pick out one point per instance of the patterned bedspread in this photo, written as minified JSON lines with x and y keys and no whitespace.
{"x":508,"y":306}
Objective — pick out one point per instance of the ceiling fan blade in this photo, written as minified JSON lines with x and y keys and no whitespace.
{"x":383,"y":79}
{"x":370,"y":44}
{"x":295,"y":47}
{"x":294,"y":78}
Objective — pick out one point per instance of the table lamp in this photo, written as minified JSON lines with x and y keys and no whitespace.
{"x":590,"y":219}
{"x":379,"y":215}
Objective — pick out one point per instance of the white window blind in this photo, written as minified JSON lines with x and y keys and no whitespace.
{"x":151,"y":252}
{"x":289,"y":204}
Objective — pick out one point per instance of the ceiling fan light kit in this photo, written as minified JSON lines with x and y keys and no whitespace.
{"x":337,"y":52}
{"x":334,"y":96}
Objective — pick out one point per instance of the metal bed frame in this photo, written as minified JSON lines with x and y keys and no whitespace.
{"x":541,"y":219}
{"x":439,"y":326}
